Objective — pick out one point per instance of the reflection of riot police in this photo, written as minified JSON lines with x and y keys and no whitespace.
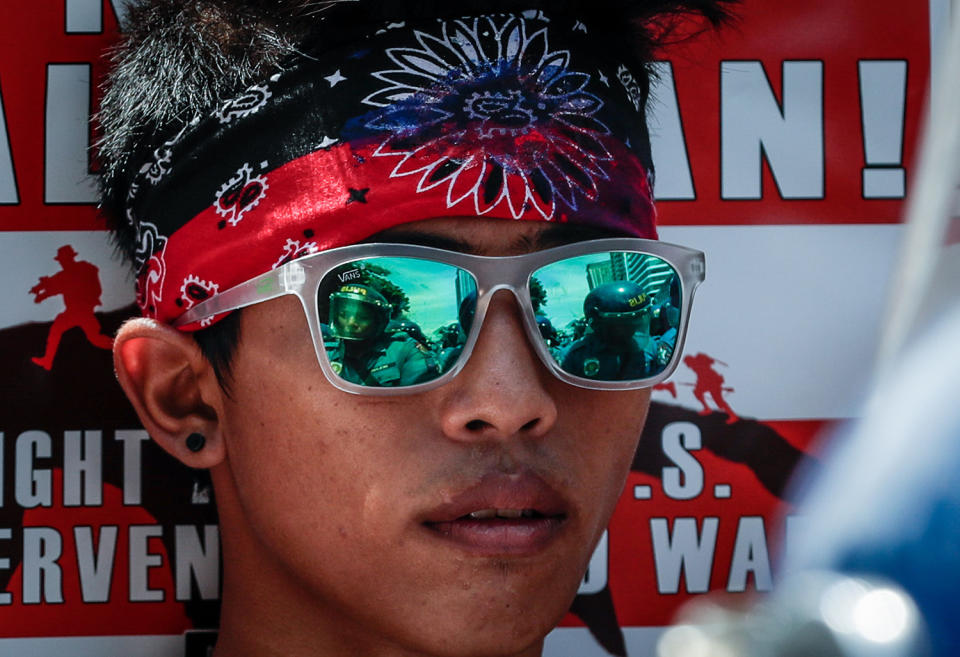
{"x":465,"y":314}
{"x":468,"y":308}
{"x":617,"y":345}
{"x":575,"y":329}
{"x":450,"y":335}
{"x":450,"y":344}
{"x":666,"y":316}
{"x":550,"y":336}
{"x":409,"y":327}
{"x":547,"y":332}
{"x":362,"y":351}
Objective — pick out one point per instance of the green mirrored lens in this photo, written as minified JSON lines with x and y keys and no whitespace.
{"x":390,"y":322}
{"x":609,"y":316}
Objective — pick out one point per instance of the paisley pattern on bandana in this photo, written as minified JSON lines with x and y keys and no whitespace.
{"x":250,"y":102}
{"x":294,"y":249}
{"x":194,"y":289}
{"x":486,"y":109}
{"x":154,"y":170}
{"x":149,"y":259}
{"x":240,"y":194}
{"x":507,"y":116}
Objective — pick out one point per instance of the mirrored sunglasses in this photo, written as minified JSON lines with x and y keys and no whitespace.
{"x":606,"y":314}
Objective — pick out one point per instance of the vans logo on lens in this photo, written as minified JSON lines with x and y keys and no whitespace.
{"x":351,"y":275}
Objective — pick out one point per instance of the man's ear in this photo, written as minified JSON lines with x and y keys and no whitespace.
{"x":173,"y":389}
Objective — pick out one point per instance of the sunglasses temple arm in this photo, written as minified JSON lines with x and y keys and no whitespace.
{"x":288,"y":279}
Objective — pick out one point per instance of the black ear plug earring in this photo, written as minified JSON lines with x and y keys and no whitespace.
{"x":195,"y":442}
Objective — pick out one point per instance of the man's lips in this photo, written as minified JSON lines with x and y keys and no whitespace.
{"x":503,"y":514}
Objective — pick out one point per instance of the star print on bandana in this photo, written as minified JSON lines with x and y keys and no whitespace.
{"x":335,"y":79}
{"x":358,"y":195}
{"x":487,"y":110}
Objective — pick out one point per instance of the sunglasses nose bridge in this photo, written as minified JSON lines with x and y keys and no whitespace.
{"x":512,"y":273}
{"x":523,"y":306}
{"x":485,"y":298}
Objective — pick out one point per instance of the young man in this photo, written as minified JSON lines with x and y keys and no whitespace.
{"x":269,"y":156}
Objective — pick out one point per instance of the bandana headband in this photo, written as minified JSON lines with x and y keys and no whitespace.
{"x":512,"y":117}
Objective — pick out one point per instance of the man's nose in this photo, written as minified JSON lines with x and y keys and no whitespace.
{"x":502,"y":391}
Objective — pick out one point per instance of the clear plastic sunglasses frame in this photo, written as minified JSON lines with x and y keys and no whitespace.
{"x":302,"y":278}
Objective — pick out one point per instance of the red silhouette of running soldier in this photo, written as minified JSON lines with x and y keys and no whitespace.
{"x":669,"y":386}
{"x":79,"y":283}
{"x":709,"y":381}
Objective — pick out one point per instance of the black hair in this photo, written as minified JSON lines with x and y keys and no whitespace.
{"x":182,"y":58}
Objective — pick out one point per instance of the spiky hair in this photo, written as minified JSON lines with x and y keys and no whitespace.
{"x":183,"y":58}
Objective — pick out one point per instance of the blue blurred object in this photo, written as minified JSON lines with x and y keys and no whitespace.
{"x":889,"y":503}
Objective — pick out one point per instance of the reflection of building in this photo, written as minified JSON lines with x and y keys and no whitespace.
{"x":599,"y":272}
{"x":465,"y":285}
{"x":651,"y":273}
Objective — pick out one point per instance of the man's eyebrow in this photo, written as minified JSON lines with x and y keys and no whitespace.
{"x":424,"y":239}
{"x":560,"y":234}
{"x":553,"y":235}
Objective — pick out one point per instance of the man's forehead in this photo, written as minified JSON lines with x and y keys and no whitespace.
{"x":484,"y":236}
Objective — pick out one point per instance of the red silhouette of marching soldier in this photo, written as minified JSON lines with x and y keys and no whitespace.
{"x":709,"y":382}
{"x":79,"y":283}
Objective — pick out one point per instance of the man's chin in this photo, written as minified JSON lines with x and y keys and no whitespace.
{"x":517,"y":630}
{"x":504,"y":603}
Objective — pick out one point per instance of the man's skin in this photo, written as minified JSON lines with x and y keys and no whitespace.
{"x":332,"y":506}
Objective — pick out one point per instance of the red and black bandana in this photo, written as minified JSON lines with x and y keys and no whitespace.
{"x":508,"y":116}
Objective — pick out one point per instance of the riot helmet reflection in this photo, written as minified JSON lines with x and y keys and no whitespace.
{"x":408,"y":326}
{"x":358,"y":312}
{"x":617,"y":310}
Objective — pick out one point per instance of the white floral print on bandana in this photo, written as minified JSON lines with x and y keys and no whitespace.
{"x":488,"y":110}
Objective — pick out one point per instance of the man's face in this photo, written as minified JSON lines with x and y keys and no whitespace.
{"x":358,"y":507}
{"x":355,"y":320}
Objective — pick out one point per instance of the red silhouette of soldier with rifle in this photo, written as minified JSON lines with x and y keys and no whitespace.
{"x":709,"y":381}
{"x":79,"y":283}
